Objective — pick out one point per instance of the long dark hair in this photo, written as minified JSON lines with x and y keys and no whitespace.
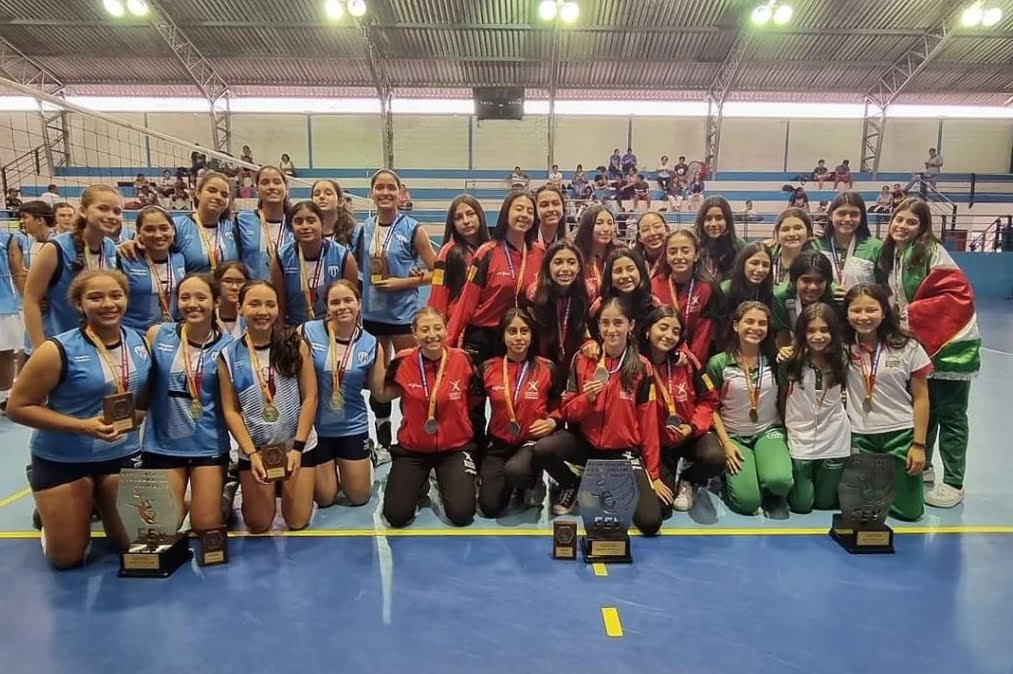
{"x":767,"y":347}
{"x":862,"y":232}
{"x":644,"y":329}
{"x":286,"y":204}
{"x":345,"y":223}
{"x":304,"y":205}
{"x":456,"y":266}
{"x":39,"y":210}
{"x":521,"y":313}
{"x":226,"y":213}
{"x":285,"y":356}
{"x":922,"y":243}
{"x":639,"y":246}
{"x":889,"y":331}
{"x":504,"y":216}
{"x":207,"y":279}
{"x":632,"y":367}
{"x":813,"y":262}
{"x":561,"y":227}
{"x":583,"y":239}
{"x":543,"y":306}
{"x":640,"y":299}
{"x":721,"y":252}
{"x":834,"y":352}
{"x":740,"y":289}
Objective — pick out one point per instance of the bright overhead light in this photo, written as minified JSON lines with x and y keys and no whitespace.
{"x":357,"y":8}
{"x":137,"y":7}
{"x":547,"y":10}
{"x":972,"y":16}
{"x":114,"y":7}
{"x":569,"y":12}
{"x":761,"y":14}
{"x":334,"y":9}
{"x":992,"y":16}
{"x":782,"y":14}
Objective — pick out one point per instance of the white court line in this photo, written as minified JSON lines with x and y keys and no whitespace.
{"x":385,"y":560}
{"x":1003,"y":353}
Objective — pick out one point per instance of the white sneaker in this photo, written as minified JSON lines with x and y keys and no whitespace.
{"x":944,"y":496}
{"x":929,"y":475}
{"x":684,"y":495}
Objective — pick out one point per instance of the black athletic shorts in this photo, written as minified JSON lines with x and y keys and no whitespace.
{"x":165,"y":462}
{"x":47,"y":474}
{"x":349,"y":448}
{"x":378,"y":329}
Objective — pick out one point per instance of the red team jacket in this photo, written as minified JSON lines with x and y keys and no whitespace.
{"x":439,"y":297}
{"x":694,"y":402}
{"x":697,"y":325}
{"x":490,"y":289}
{"x":457,"y":393}
{"x":618,"y":419}
{"x":537,"y":398}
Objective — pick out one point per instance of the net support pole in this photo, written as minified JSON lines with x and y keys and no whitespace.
{"x":715,"y":99}
{"x":384,"y":88}
{"x":23,"y":70}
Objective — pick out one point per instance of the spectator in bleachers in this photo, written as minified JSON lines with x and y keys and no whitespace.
{"x":749,"y":213}
{"x":899,"y":195}
{"x":932,"y":167}
{"x":180,"y":200}
{"x":884,"y":202}
{"x":247,"y":155}
{"x":556,"y":177}
{"x":167,"y":184}
{"x":629,"y":161}
{"x":819,"y":173}
{"x":842,"y":175}
{"x":641,"y":193}
{"x":518,"y":180}
{"x":675,"y":195}
{"x":198,"y":162}
{"x":625,"y":188}
{"x":12,"y":202}
{"x":820,"y":218}
{"x":799,"y":199}
{"x":615,"y":166}
{"x":696,"y":191}
{"x":579,"y":183}
{"x":681,"y":169}
{"x":404,"y":198}
{"x":65,"y":215}
{"x":51,"y":195}
{"x":286,"y":165}
{"x":664,"y":174}
{"x":705,"y":168}
{"x":147,"y":196}
{"x":139,"y":182}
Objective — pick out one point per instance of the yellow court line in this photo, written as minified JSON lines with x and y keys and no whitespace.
{"x":610,"y":616}
{"x":600,"y":569}
{"x":15,"y":496}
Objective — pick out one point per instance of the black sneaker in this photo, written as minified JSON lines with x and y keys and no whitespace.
{"x":565,"y":502}
{"x":383,"y":434}
{"x":36,"y":520}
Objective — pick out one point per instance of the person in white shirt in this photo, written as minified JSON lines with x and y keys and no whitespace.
{"x":51,"y":196}
{"x":932,"y":166}
{"x":556,"y":177}
{"x":664,"y":174}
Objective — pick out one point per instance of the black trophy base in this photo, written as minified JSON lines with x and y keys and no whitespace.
{"x":611,"y":550}
{"x":157,"y":560}
{"x":865,"y":539}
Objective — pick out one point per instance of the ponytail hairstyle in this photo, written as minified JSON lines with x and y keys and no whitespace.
{"x":813,"y":262}
{"x":455,"y":268}
{"x":835,"y":350}
{"x":889,"y":331}
{"x":767,"y":346}
{"x":88,"y":197}
{"x":862,"y":232}
{"x":345,"y":223}
{"x":427,"y":311}
{"x":39,"y":210}
{"x":921,"y":245}
{"x":286,"y":204}
{"x":544,"y":309}
{"x":721,"y":251}
{"x":508,"y":317}
{"x":640,"y":300}
{"x":285,"y":356}
{"x":208,"y":176}
{"x":632,"y":367}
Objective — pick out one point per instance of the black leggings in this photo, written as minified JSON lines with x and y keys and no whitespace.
{"x":481,"y":344}
{"x":563,"y":447}
{"x":706,"y":457}
{"x":505,"y":468}
{"x":409,"y":472}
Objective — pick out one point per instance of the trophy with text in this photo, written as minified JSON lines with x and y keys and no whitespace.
{"x":150,"y":517}
{"x":607,"y":498}
{"x":214,"y":547}
{"x":866,"y":492}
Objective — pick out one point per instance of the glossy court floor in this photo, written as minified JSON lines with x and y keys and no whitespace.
{"x":715,"y":593}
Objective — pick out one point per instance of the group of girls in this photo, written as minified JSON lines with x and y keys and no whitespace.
{"x":262,"y":330}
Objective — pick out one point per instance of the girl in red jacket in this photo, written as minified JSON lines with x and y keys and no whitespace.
{"x":523,"y":398}
{"x":610,"y":403}
{"x":595,"y":239}
{"x":684,"y":407}
{"x":437,"y":385}
{"x":683,"y":284}
{"x":465,"y":232}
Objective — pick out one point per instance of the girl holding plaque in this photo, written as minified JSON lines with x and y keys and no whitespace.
{"x":683,"y":285}
{"x":155,"y":275}
{"x":747,"y":420}
{"x":263,"y":233}
{"x":936,"y":302}
{"x":390,"y":248}
{"x":610,"y":399}
{"x":595,"y":239}
{"x":810,"y":280}
{"x":523,"y":397}
{"x":346,"y":360}
{"x":184,"y":429}
{"x":437,"y":385}
{"x":78,"y":391}
{"x":715,"y":229}
{"x":685,"y":411}
{"x":848,"y":243}
{"x":888,"y":392}
{"x":465,"y":232}
{"x":64,"y":256}
{"x":819,"y":434}
{"x":231,"y":277}
{"x":269,"y":398}
{"x":308,"y":264}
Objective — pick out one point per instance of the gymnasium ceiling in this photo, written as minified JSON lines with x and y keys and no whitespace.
{"x":833,"y":50}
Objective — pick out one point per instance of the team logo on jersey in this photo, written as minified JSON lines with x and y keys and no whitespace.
{"x":141,"y":351}
{"x":332,"y":270}
{"x":455,"y":390}
{"x":363,"y":357}
{"x":681,"y":392}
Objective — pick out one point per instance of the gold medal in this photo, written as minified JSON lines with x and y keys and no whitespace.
{"x":196,"y":409}
{"x":337,"y":400}
{"x":270,"y":413}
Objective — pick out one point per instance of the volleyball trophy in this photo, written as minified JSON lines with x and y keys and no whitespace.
{"x":866,"y":492}
{"x":150,"y":517}
{"x":607,"y":498}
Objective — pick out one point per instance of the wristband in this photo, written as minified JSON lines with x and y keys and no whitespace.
{"x":298,"y":445}
{"x":918,"y":444}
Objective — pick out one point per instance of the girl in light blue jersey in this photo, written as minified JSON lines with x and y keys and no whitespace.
{"x":347,"y":360}
{"x":185,"y":430}
{"x":62,"y":393}
{"x":12,"y":332}
{"x":231,"y":277}
{"x":263,"y":233}
{"x":155,"y":275}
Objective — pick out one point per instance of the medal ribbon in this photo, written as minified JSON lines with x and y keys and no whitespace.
{"x":839,"y":259}
{"x":751,"y":388}
{"x":271,"y":248}
{"x":518,"y":278}
{"x":431,"y":396}
{"x":309,"y":286}
{"x":666,"y":389}
{"x":265,"y":386}
{"x":511,"y":412}
{"x":212,"y":252}
{"x":99,"y":259}
{"x":193,"y":377}
{"x":601,"y":362}
{"x":163,"y":292}
{"x":683,"y":310}
{"x":121,"y":378}
{"x":338,"y":368}
{"x":562,"y":326}
{"x":386,"y":240}
{"x":869,"y":370}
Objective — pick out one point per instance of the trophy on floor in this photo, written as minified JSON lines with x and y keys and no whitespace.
{"x":564,"y":539}
{"x":214,"y":547}
{"x":150,"y":517}
{"x":607,"y":498}
{"x":866,"y":492}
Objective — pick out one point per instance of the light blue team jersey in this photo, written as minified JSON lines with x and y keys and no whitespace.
{"x":170,"y":428}
{"x":254,"y":247}
{"x":61,"y":315}
{"x":351,"y":418}
{"x":221,"y":240}
{"x":10,"y":301}
{"x":85,"y":380}
{"x":287,"y":398}
{"x":327,"y":268}
{"x":145,"y":308}
{"x":399,"y":249}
